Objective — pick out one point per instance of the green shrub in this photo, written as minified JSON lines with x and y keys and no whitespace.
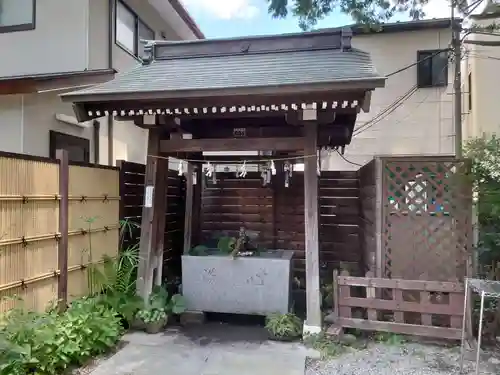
{"x":160,"y":299}
{"x":116,"y":279}
{"x":284,"y":325}
{"x":47,"y":344}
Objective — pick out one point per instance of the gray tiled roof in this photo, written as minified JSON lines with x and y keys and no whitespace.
{"x":242,"y":70}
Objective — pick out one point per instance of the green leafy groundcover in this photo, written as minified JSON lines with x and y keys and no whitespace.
{"x":50,"y":343}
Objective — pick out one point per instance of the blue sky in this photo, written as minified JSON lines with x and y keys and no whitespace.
{"x":231,"y":18}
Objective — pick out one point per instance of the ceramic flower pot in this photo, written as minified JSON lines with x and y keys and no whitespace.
{"x":156,"y":327}
{"x":137,"y":324}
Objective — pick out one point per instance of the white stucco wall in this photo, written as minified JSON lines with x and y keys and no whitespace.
{"x":130,"y":141}
{"x":423,"y":123}
{"x":11,"y":120}
{"x":26,"y":121}
{"x":57,"y":44}
{"x":482,"y":62}
{"x":69,"y":36}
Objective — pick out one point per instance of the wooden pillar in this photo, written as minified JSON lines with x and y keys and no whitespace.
{"x":62,"y":246}
{"x":160,"y":206}
{"x":313,"y":294}
{"x":197,"y":206}
{"x":379,"y":219}
{"x":276,"y":186}
{"x":144,"y":276}
{"x":189,"y":208}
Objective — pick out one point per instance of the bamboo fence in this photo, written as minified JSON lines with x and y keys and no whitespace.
{"x":55,"y":219}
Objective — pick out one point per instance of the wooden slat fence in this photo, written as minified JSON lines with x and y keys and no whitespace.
{"x":339,"y":206}
{"x":370,"y":215}
{"x":132,"y":198}
{"x":415,"y":307}
{"x":34,"y":244}
{"x":276,"y":213}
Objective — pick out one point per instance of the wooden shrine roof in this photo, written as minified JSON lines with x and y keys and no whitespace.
{"x":210,"y":70}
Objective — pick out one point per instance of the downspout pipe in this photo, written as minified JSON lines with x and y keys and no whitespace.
{"x":111,"y":23}
{"x":97,"y":128}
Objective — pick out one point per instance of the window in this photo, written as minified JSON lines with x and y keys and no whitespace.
{"x":78,"y":148}
{"x":130,"y":30}
{"x":17,"y":15}
{"x":432,"y":68}
{"x":145,"y":33}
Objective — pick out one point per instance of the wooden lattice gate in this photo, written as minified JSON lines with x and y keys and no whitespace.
{"x":426,"y":218}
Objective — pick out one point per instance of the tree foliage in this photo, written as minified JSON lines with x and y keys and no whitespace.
{"x":309,"y":12}
{"x":484,"y":153}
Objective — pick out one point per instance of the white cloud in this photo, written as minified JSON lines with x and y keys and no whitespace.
{"x":437,"y":9}
{"x":224,"y":9}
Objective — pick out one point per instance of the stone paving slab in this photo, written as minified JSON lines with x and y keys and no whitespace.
{"x":210,"y":349}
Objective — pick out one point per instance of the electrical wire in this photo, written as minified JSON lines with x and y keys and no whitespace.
{"x":485,"y":57}
{"x":386,"y":112}
{"x":379,"y":117}
{"x":398,"y":102}
{"x":347,"y":160}
{"x":393,"y":107}
{"x":417,"y":62}
{"x":467,"y":11}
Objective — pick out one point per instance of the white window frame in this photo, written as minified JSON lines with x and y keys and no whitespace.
{"x":136,"y":50}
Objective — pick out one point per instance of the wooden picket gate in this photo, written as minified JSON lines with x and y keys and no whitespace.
{"x":411,"y":307}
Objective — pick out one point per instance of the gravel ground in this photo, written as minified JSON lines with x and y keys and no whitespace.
{"x":404,"y":359}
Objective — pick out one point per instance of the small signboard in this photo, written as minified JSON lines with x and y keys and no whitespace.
{"x":239,"y":132}
{"x":148,"y":196}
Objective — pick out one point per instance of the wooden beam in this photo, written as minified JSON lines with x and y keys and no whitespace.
{"x":401,"y":328}
{"x":188,"y":218}
{"x":230,"y":159}
{"x":237,"y":144}
{"x":144,"y":277}
{"x":313,"y":295}
{"x":206,"y":130}
{"x":367,"y":101}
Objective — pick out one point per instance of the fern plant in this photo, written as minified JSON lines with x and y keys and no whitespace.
{"x":116,"y":279}
{"x":117,"y":275}
{"x":284,"y":326}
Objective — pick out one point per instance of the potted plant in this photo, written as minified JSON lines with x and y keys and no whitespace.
{"x":155,"y":315}
{"x":284,"y":327}
{"x":154,"y":319}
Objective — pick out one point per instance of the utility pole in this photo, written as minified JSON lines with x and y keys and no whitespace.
{"x":457,"y":81}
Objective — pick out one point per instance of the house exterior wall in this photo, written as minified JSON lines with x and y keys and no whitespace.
{"x":69,"y":36}
{"x":130,"y":141}
{"x":481,"y":62}
{"x":27,"y":120}
{"x":11,"y":121}
{"x":57,"y":44}
{"x":422,"y":124}
{"x":99,"y":22}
